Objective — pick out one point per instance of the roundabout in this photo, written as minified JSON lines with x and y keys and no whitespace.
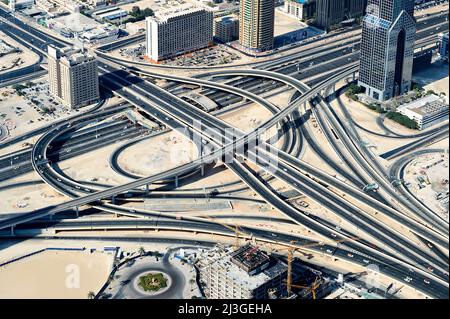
{"x":148,"y":277}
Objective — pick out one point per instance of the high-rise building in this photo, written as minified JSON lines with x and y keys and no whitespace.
{"x":301,"y":9}
{"x":443,"y":46}
{"x":331,"y":13}
{"x":256,"y":24}
{"x":177,"y":30}
{"x":73,"y":76}
{"x":387,"y":48}
{"x":226,"y":29}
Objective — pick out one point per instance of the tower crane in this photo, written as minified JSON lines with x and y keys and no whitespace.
{"x":290,"y":256}
{"x":317,"y":282}
{"x":234,"y":228}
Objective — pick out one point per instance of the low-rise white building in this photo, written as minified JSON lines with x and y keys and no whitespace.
{"x":84,"y":28}
{"x":110,"y":14}
{"x":20,"y":4}
{"x":178,"y":30}
{"x":427,"y":111}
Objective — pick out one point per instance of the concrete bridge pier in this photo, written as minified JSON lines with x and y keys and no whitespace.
{"x":176,"y":181}
{"x":77,"y":213}
{"x":202,"y":170}
{"x":12,"y":231}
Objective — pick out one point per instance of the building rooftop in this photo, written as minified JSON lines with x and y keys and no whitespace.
{"x":227,"y":19}
{"x":249,"y":258}
{"x":165,"y":15}
{"x":70,"y":56}
{"x":426,"y":106}
{"x":75,"y":22}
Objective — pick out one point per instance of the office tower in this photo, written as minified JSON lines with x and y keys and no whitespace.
{"x":256,"y":24}
{"x":178,"y":30}
{"x":73,"y":76}
{"x":387,"y":48}
{"x":331,"y":13}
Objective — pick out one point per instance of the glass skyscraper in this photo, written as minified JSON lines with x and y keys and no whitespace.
{"x":387,"y":48}
{"x":331,"y":13}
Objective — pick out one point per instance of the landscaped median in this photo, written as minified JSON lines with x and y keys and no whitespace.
{"x":153,"y":281}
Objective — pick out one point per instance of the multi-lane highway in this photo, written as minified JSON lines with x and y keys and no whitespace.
{"x":399,"y":254}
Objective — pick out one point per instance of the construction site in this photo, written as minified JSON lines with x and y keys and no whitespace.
{"x":250,"y":273}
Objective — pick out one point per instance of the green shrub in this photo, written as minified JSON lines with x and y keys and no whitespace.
{"x":138,"y":15}
{"x":153,"y":282}
{"x":402,"y":119}
{"x":352,"y":91}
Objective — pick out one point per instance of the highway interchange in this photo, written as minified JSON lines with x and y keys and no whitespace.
{"x":309,"y":73}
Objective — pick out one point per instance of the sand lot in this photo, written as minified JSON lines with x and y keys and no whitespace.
{"x":437,"y":175}
{"x":55,"y":274}
{"x":17,"y":114}
{"x":158,"y":154}
{"x":27,"y":57}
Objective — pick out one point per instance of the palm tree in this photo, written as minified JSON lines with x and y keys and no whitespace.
{"x":191,"y":282}
{"x":91,"y":295}
{"x":157,"y":255}
{"x":141,"y":251}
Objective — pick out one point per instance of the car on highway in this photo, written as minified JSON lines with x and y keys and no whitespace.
{"x":407,"y":279}
{"x":426,"y":281}
{"x":304,"y":204}
{"x":350,"y":255}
